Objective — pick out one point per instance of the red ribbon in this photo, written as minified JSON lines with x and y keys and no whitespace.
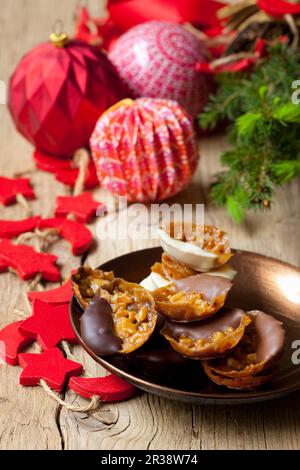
{"x":242,"y":65}
{"x":124,"y":14}
{"x":278,"y":8}
{"x":128,"y":13}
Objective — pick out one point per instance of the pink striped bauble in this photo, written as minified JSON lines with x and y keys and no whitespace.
{"x":144,"y":149}
{"x":157,"y":59}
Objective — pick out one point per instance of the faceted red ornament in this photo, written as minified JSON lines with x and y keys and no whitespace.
{"x":10,"y":187}
{"x":145,"y":149}
{"x":59,"y":295}
{"x":13,"y":228}
{"x":49,"y":324}
{"x":77,"y":234}
{"x":28,"y":262}
{"x":82,"y":207}
{"x":50,"y":366}
{"x":157,"y":59}
{"x":12,"y":341}
{"x":58,"y":92}
{"x":109,"y":388}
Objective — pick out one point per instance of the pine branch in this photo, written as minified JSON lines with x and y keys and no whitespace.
{"x":265,"y":132}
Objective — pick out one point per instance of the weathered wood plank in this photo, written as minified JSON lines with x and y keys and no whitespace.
{"x":30,"y":420}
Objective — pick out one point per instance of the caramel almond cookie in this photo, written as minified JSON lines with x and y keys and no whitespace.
{"x":87,"y":282}
{"x":172,"y":269}
{"x":250,"y":382}
{"x":193,"y":298}
{"x":129,"y":315}
{"x":209,"y":338}
{"x":134,"y":313}
{"x":254,"y":361}
{"x":201,"y":248}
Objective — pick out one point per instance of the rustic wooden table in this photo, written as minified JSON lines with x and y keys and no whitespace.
{"x":31,"y":420}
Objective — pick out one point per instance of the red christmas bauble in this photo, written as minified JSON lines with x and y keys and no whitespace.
{"x":145,"y":149}
{"x":158,"y":59}
{"x":58,"y":91}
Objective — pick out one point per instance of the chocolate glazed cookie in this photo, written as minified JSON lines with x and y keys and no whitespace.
{"x":255,"y":360}
{"x":97,"y":328}
{"x":208,"y":338}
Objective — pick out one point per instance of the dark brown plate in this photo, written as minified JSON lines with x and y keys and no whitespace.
{"x":262,"y":283}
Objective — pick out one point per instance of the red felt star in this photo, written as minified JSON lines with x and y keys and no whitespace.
{"x":83,"y":207}
{"x":51,"y":164}
{"x":13,"y":228}
{"x":59,"y":295}
{"x":3,"y":266}
{"x":64,"y":170}
{"x":49,"y":324}
{"x":28,"y":262}
{"x":50,"y":366}
{"x":77,"y":234}
{"x":69,"y":177}
{"x":109,"y":388}
{"x":12,"y":341}
{"x":10,"y":187}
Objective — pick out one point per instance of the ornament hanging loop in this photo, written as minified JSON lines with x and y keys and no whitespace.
{"x":58,"y":37}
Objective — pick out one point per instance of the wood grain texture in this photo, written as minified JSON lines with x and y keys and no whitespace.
{"x":29,"y":419}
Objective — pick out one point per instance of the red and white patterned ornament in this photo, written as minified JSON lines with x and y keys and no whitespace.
{"x":145,"y":149}
{"x":158,"y":59}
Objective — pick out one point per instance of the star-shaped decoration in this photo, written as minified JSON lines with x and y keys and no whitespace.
{"x":51,"y":164}
{"x":59,"y":295}
{"x":13,"y":228}
{"x":49,"y":324}
{"x":83,"y":207}
{"x":69,"y":177}
{"x":109,"y":388}
{"x":13,"y":342}
{"x":27,"y":262}
{"x":77,"y":234}
{"x":10,"y":187}
{"x":64,"y":170}
{"x":3,"y":266}
{"x":50,"y":366}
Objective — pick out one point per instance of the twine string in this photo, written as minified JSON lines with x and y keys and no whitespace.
{"x":294,"y":30}
{"x":67,"y":350}
{"x":23,"y":173}
{"x":232,"y":58}
{"x":81,"y":160}
{"x":92,"y":405}
{"x":23,"y":203}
